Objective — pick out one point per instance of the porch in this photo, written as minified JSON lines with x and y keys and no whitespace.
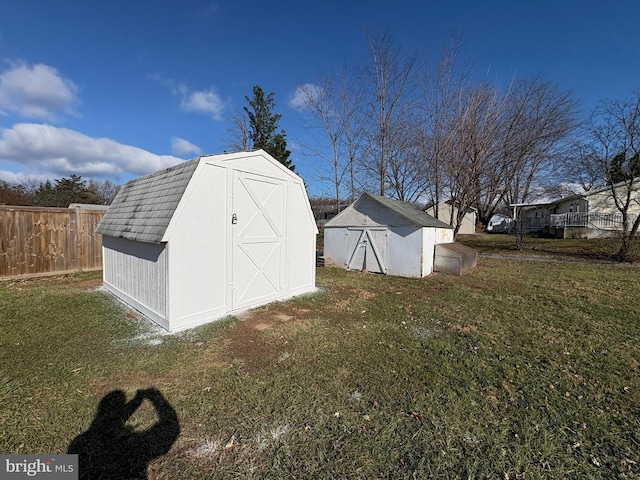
{"x":606,"y":221}
{"x":585,"y":225}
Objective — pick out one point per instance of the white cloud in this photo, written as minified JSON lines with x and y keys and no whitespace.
{"x":36,"y":92}
{"x":208,"y":102}
{"x":303,"y":94}
{"x":44,"y":149}
{"x":19,"y":178}
{"x":183,"y":147}
{"x":198,"y":101}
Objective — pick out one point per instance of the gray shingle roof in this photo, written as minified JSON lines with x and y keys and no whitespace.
{"x":408,"y":211}
{"x":144,"y":206}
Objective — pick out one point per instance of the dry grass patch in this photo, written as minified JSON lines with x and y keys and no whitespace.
{"x":519,"y":370}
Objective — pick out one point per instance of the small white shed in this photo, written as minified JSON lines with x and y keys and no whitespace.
{"x":209,"y":237}
{"x":385,"y":236}
{"x":448,"y":213}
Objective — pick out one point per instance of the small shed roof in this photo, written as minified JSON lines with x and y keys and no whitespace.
{"x":88,"y":206}
{"x":412,"y":215}
{"x":457,"y":248}
{"x":144,"y":206}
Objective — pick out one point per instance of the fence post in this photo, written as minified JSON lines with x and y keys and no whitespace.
{"x":78,"y":241}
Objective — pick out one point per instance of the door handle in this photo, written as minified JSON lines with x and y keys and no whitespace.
{"x":234,"y":219}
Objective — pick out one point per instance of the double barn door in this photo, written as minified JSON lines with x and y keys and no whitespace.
{"x":367,"y":249}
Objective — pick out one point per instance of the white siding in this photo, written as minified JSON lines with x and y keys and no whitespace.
{"x":137,"y":274}
{"x":432,"y":237}
{"x":254,"y":162}
{"x":603,"y":202}
{"x":335,"y":245}
{"x":301,"y":243}
{"x":443,"y":235}
{"x":197,"y":251}
{"x":410,"y":250}
{"x":405,"y":251}
{"x":468,"y":225}
{"x":187,"y":280}
{"x":574,"y":205}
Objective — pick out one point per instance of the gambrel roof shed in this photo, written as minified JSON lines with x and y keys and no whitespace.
{"x":144,"y":207}
{"x":209,"y":237}
{"x":386,"y":236}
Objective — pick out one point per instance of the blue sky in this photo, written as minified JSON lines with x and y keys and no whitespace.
{"x":116,"y":89}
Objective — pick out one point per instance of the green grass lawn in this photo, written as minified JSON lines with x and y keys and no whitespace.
{"x":597,"y":249}
{"x":518,"y":370}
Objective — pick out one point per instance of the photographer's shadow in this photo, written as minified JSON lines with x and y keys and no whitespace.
{"x":110,"y":449}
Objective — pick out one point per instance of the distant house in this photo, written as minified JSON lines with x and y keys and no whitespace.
{"x":209,"y":237}
{"x":386,"y":236}
{"x":325,"y":211}
{"x":588,"y":215}
{"x":448,"y":208}
{"x":499,"y":223}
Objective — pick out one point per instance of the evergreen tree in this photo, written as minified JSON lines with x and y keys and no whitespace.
{"x":263,"y":127}
{"x":624,"y":169}
{"x":65,"y":192}
{"x":44,"y":196}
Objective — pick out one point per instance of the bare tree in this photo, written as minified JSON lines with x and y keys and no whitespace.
{"x":239,"y":139}
{"x":453,"y":139}
{"x":351,"y":97}
{"x":390,"y":80}
{"x":611,"y":153}
{"x":538,"y":121}
{"x":405,"y":175}
{"x":441,"y":92}
{"x":104,"y":190}
{"x":476,"y":143}
{"x":326,"y":110}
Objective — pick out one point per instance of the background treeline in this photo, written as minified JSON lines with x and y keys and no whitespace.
{"x":424,"y":132}
{"x":59,"y":193}
{"x":427,"y":130}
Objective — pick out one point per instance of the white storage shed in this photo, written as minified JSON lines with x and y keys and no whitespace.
{"x":448,"y":213}
{"x":209,"y":237}
{"x":386,"y":236}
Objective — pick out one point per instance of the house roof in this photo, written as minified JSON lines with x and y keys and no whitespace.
{"x":144,"y":206}
{"x":456,"y":204}
{"x":413,"y":215}
{"x":584,"y":195}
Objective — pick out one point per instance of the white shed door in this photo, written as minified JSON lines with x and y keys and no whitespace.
{"x":367,"y":249}
{"x":258,"y":225}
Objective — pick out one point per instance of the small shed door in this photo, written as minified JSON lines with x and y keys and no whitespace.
{"x":258,"y":226}
{"x":367,"y":249}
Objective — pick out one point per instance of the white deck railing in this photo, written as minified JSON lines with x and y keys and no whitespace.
{"x":587,"y":219}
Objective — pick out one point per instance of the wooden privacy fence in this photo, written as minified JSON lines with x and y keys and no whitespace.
{"x":39,"y":241}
